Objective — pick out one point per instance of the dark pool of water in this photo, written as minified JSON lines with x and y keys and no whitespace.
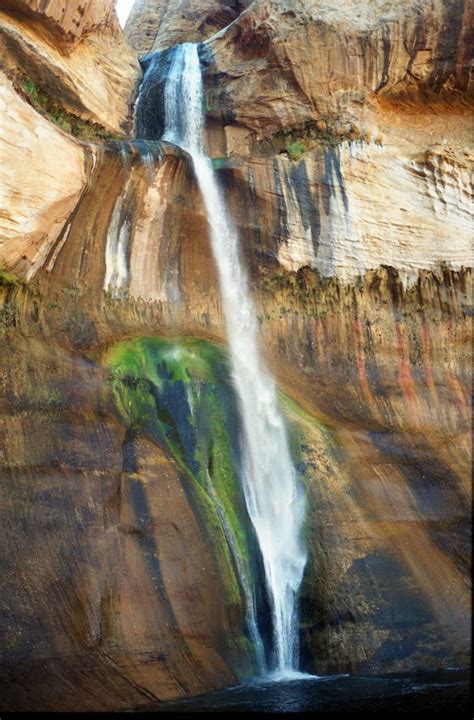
{"x":416,"y":692}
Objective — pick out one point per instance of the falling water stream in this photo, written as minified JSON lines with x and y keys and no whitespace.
{"x":274,"y":496}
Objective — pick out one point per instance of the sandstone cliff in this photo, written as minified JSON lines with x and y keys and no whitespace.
{"x":66,"y":23}
{"x":361,"y":54}
{"x":38,"y":195}
{"x":75,"y":54}
{"x":346,"y":170}
{"x":159,"y":24}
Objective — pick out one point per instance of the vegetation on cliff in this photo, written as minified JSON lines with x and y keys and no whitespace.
{"x":9,"y":278}
{"x":67,"y":121}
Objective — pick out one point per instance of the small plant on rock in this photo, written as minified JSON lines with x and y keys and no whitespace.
{"x":296,"y":150}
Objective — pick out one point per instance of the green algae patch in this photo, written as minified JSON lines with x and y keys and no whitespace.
{"x":296,"y":150}
{"x":178,"y":393}
{"x":9,"y":278}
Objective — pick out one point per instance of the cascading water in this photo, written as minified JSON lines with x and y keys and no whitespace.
{"x":274,"y":497}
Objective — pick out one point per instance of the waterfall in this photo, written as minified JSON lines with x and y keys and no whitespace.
{"x":274,"y":496}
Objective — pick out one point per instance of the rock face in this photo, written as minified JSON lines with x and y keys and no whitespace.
{"x":330,"y":209}
{"x":268,"y":97}
{"x":134,"y":600}
{"x":37,"y":195}
{"x":76,"y":54}
{"x":361,"y":53}
{"x":358,"y":255}
{"x":67,"y":22}
{"x":158,"y":24}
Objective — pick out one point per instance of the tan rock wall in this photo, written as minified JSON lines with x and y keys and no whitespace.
{"x":361,"y":206}
{"x":66,"y":22}
{"x":158,"y":24}
{"x":280,"y":64}
{"x":43,"y":173}
{"x":96,"y":80}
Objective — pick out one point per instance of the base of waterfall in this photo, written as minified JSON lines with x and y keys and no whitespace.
{"x":405,"y":692}
{"x":287,"y":675}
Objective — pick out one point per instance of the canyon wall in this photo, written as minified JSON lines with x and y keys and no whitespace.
{"x":158,"y":25}
{"x":72,"y":54}
{"x":347,"y":171}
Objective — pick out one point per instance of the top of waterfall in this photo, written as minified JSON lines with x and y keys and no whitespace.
{"x":168,"y":108}
{"x":184,"y":115}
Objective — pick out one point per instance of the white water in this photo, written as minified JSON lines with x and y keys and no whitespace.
{"x":116,"y":263}
{"x":274,"y":497}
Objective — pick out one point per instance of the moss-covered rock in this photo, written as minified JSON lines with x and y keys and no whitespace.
{"x":178,"y":393}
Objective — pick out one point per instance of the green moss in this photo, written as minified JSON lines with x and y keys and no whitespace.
{"x":296,"y":149}
{"x":39,"y":98}
{"x":312,"y":135}
{"x":34,"y":93}
{"x":8,"y":278}
{"x":43,"y":397}
{"x":219,"y":162}
{"x":178,"y":393}
{"x":275,"y":282}
{"x":294,"y":410}
{"x":213,"y":525}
